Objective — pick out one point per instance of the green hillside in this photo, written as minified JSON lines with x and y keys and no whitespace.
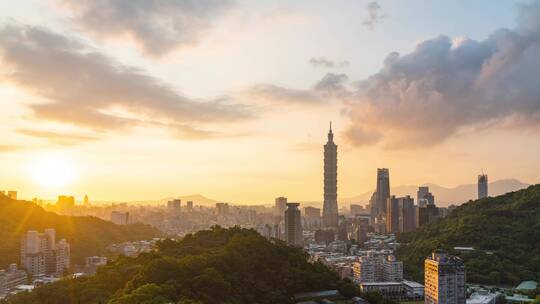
{"x":86,"y":235}
{"x":504,"y":230}
{"x":213,"y":266}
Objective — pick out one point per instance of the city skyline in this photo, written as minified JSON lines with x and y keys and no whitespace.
{"x":196,"y":115}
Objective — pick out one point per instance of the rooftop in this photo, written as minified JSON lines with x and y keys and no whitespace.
{"x":527,"y":285}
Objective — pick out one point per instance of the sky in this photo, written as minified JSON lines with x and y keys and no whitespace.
{"x":132,"y":100}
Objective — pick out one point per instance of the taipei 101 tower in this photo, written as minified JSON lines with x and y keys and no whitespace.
{"x":330,"y":208}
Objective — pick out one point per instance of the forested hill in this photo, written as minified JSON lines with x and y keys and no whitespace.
{"x":504,"y":230}
{"x":87,"y":235}
{"x":213,"y":266}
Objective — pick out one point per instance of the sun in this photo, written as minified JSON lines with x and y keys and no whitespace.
{"x":52,"y":171}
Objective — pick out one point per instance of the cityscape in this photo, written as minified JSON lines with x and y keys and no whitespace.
{"x":119,"y":189}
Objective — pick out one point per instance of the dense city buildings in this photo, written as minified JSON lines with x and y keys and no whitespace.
{"x":482,"y":186}
{"x":293,"y":225}
{"x":120,"y":218}
{"x":383,"y":191}
{"x":280,"y":204}
{"x":41,"y":254}
{"x":444,"y":279}
{"x":330,"y":206}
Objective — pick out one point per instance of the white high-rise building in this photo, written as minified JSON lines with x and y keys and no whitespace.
{"x":377,"y":268}
{"x":444,"y":279}
{"x":40,"y":254}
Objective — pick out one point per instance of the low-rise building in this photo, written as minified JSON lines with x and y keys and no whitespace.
{"x":11,"y":278}
{"x":385,"y":288}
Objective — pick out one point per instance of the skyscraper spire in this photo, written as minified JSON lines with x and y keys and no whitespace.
{"x":330,"y":134}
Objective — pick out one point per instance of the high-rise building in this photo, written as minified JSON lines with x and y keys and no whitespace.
{"x":482,"y":186}
{"x":65,"y":202}
{"x":330,"y":207}
{"x":293,"y":225}
{"x":280,"y":205}
{"x":392,"y":215}
{"x":423,"y":193}
{"x":40,"y":254}
{"x":189,"y":206}
{"x":362,"y":227}
{"x":392,"y":269}
{"x":406,"y":214}
{"x":120,"y":217}
{"x":86,"y":201}
{"x":222,"y":209}
{"x":444,"y":279}
{"x":383,"y":191}
{"x":174,"y":206}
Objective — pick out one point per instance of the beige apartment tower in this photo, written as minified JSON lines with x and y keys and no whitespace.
{"x":444,"y":279}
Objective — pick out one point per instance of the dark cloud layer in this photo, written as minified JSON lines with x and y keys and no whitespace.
{"x":86,"y":88}
{"x":159,"y":26}
{"x":374,"y":15}
{"x":445,"y":86}
{"x":327,"y":63}
{"x":331,"y":86}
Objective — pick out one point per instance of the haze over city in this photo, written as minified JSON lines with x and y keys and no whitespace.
{"x":232,"y":99}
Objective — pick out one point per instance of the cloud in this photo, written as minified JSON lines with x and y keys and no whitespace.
{"x":447,"y":86}
{"x":331,"y":86}
{"x":374,"y":15}
{"x":9,"y":148}
{"x":86,"y":88}
{"x":332,"y":82}
{"x":327,"y":63}
{"x":158,"y":26}
{"x":58,"y":138}
{"x":270,"y":93}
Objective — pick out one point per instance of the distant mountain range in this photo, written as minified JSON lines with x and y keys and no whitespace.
{"x":446,"y":196}
{"x":443,"y":196}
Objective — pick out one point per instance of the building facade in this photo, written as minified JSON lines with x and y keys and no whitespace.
{"x":444,"y":279}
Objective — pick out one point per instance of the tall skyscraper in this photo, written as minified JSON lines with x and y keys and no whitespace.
{"x":280,"y":205}
{"x":383,"y":191}
{"x":330,"y":207}
{"x":293,"y":225}
{"x":482,"y":186}
{"x":444,"y":279}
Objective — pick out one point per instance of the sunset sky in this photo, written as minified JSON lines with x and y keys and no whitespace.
{"x":131,"y":100}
